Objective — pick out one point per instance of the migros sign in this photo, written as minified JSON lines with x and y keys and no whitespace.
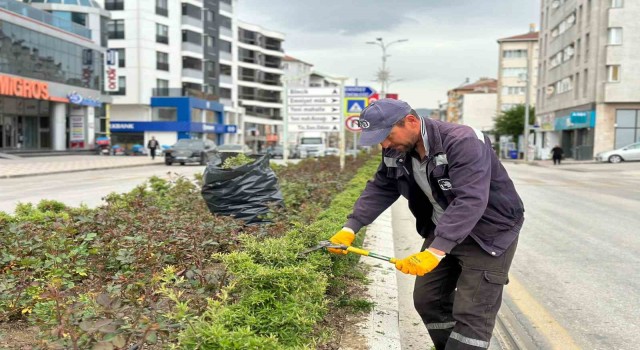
{"x":25,"y":88}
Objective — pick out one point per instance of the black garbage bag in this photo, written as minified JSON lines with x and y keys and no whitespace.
{"x":243,"y":192}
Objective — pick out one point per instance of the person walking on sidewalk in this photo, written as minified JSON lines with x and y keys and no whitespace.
{"x":152,"y":145}
{"x":466,"y":207}
{"x":556,"y":154}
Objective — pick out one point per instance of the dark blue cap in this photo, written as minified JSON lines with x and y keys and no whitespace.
{"x":378,"y":119}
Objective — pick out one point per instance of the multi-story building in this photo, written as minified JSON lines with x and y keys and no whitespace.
{"x":473,"y":104}
{"x":168,"y":79}
{"x":516,"y":54}
{"x":259,"y":60}
{"x":588,"y":97}
{"x":51,"y":76}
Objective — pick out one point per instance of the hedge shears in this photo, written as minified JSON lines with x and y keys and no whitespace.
{"x":359,"y":251}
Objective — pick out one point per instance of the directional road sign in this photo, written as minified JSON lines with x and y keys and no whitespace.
{"x":314,"y":127}
{"x":296,"y":101}
{"x":358,"y":91}
{"x":310,"y":119}
{"x":314,"y":109}
{"x":324,"y":92}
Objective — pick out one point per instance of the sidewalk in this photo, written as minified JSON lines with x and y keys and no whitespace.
{"x":34,"y":166}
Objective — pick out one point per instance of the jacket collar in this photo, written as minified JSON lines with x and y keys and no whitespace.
{"x":433,"y":136}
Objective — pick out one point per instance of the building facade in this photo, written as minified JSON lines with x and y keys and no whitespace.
{"x":469,"y":104}
{"x":588,"y":97}
{"x":167,"y":71}
{"x":516,"y":55}
{"x":260,"y":90}
{"x":51,"y":78}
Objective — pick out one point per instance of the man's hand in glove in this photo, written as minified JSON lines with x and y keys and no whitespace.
{"x":419,"y":264}
{"x":344,"y":236}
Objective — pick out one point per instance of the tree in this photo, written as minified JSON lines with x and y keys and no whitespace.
{"x":511,"y":121}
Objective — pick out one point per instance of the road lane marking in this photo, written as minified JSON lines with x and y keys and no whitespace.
{"x":545,"y":323}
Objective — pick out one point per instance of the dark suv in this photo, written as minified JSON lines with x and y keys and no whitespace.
{"x":191,"y":151}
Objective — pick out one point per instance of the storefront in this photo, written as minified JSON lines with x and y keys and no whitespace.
{"x":173,"y":118}
{"x":577,"y":138}
{"x":39,"y":115}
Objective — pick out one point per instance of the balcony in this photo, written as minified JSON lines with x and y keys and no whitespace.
{"x":182,"y":92}
{"x":192,"y":73}
{"x":226,"y":32}
{"x":191,"y":21}
{"x":226,"y":56}
{"x":191,"y":47}
{"x":226,"y":79}
{"x":226,"y":7}
{"x":45,"y":17}
{"x":227,"y":102}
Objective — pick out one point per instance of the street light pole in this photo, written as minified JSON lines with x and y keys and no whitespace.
{"x":384,"y":76}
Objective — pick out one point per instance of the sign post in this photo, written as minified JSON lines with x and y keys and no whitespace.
{"x":357,"y":98}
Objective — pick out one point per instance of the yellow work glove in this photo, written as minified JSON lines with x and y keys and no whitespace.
{"x":419,"y":264}
{"x":344,"y":236}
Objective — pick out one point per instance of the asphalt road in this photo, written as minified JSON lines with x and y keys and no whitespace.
{"x":86,"y":187}
{"x":575,"y":280}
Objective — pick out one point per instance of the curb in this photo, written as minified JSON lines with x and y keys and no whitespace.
{"x":381,"y":328}
{"x":78,"y":170}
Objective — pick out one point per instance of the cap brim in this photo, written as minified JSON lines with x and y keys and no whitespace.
{"x":373,"y":137}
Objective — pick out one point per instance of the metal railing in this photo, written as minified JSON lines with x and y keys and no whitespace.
{"x":45,"y":17}
{"x":182,"y":92}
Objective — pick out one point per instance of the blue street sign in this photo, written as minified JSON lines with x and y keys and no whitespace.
{"x":355,"y":106}
{"x":358,"y":91}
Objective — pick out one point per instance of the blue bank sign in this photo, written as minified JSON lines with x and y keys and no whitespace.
{"x":576,"y":120}
{"x":126,"y":126}
{"x":77,"y":99}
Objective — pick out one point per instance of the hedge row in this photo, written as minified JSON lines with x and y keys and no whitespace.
{"x":276,"y":298}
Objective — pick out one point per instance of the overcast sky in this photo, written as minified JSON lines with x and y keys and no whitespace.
{"x":449,"y":40}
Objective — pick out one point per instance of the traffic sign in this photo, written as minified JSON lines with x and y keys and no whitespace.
{"x":373,"y":98}
{"x":326,"y":92}
{"x":353,"y":123}
{"x":355,"y":105}
{"x":335,"y":127}
{"x":358,"y":91}
{"x":312,"y":109}
{"x":323,"y":118}
{"x":295,"y":101}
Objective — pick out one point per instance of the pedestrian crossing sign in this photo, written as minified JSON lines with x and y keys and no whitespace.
{"x":355,"y":105}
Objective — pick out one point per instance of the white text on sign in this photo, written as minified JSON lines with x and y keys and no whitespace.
{"x":314,"y":118}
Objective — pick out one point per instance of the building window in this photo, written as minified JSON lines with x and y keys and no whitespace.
{"x":615,"y":36}
{"x":164,"y":114}
{"x":162,"y":8}
{"x":162,"y":33}
{"x":627,"y":127}
{"x":616,"y":3}
{"x":115,"y":27}
{"x":192,"y":11}
{"x":225,"y":46}
{"x":513,"y":72}
{"x":112,"y":5}
{"x":514,"y":53}
{"x":122,"y":58}
{"x":613,"y":74}
{"x":564,"y":85}
{"x":191,"y":37}
{"x":191,"y":63}
{"x":162,"y":87}
{"x":586,"y":47}
{"x":514,"y":90}
{"x":585,"y":83}
{"x":225,"y":69}
{"x":162,"y":61}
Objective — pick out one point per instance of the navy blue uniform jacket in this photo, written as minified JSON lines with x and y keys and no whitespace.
{"x":466,"y":179}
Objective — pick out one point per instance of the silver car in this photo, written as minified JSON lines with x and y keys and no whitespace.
{"x":626,"y":153}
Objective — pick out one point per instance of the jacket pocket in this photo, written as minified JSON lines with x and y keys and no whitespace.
{"x":490,"y":287}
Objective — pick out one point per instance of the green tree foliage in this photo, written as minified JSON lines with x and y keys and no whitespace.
{"x":511,"y":121}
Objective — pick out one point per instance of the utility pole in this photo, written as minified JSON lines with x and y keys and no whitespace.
{"x":527,"y":102}
{"x":383,"y":76}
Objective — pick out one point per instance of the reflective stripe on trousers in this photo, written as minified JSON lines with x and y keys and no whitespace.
{"x":469,"y":341}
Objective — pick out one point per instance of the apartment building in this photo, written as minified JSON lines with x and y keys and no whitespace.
{"x":167,"y":77}
{"x":259,"y":70}
{"x":473,"y":104}
{"x":588,"y":97}
{"x":516,"y":54}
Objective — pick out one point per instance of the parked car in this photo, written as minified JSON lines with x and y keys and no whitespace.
{"x":331,"y":151}
{"x":190,"y":151}
{"x":626,"y":153}
{"x":234,"y":148}
{"x":277,"y":152}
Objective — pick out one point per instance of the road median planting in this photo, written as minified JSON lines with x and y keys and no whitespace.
{"x":154,"y":267}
